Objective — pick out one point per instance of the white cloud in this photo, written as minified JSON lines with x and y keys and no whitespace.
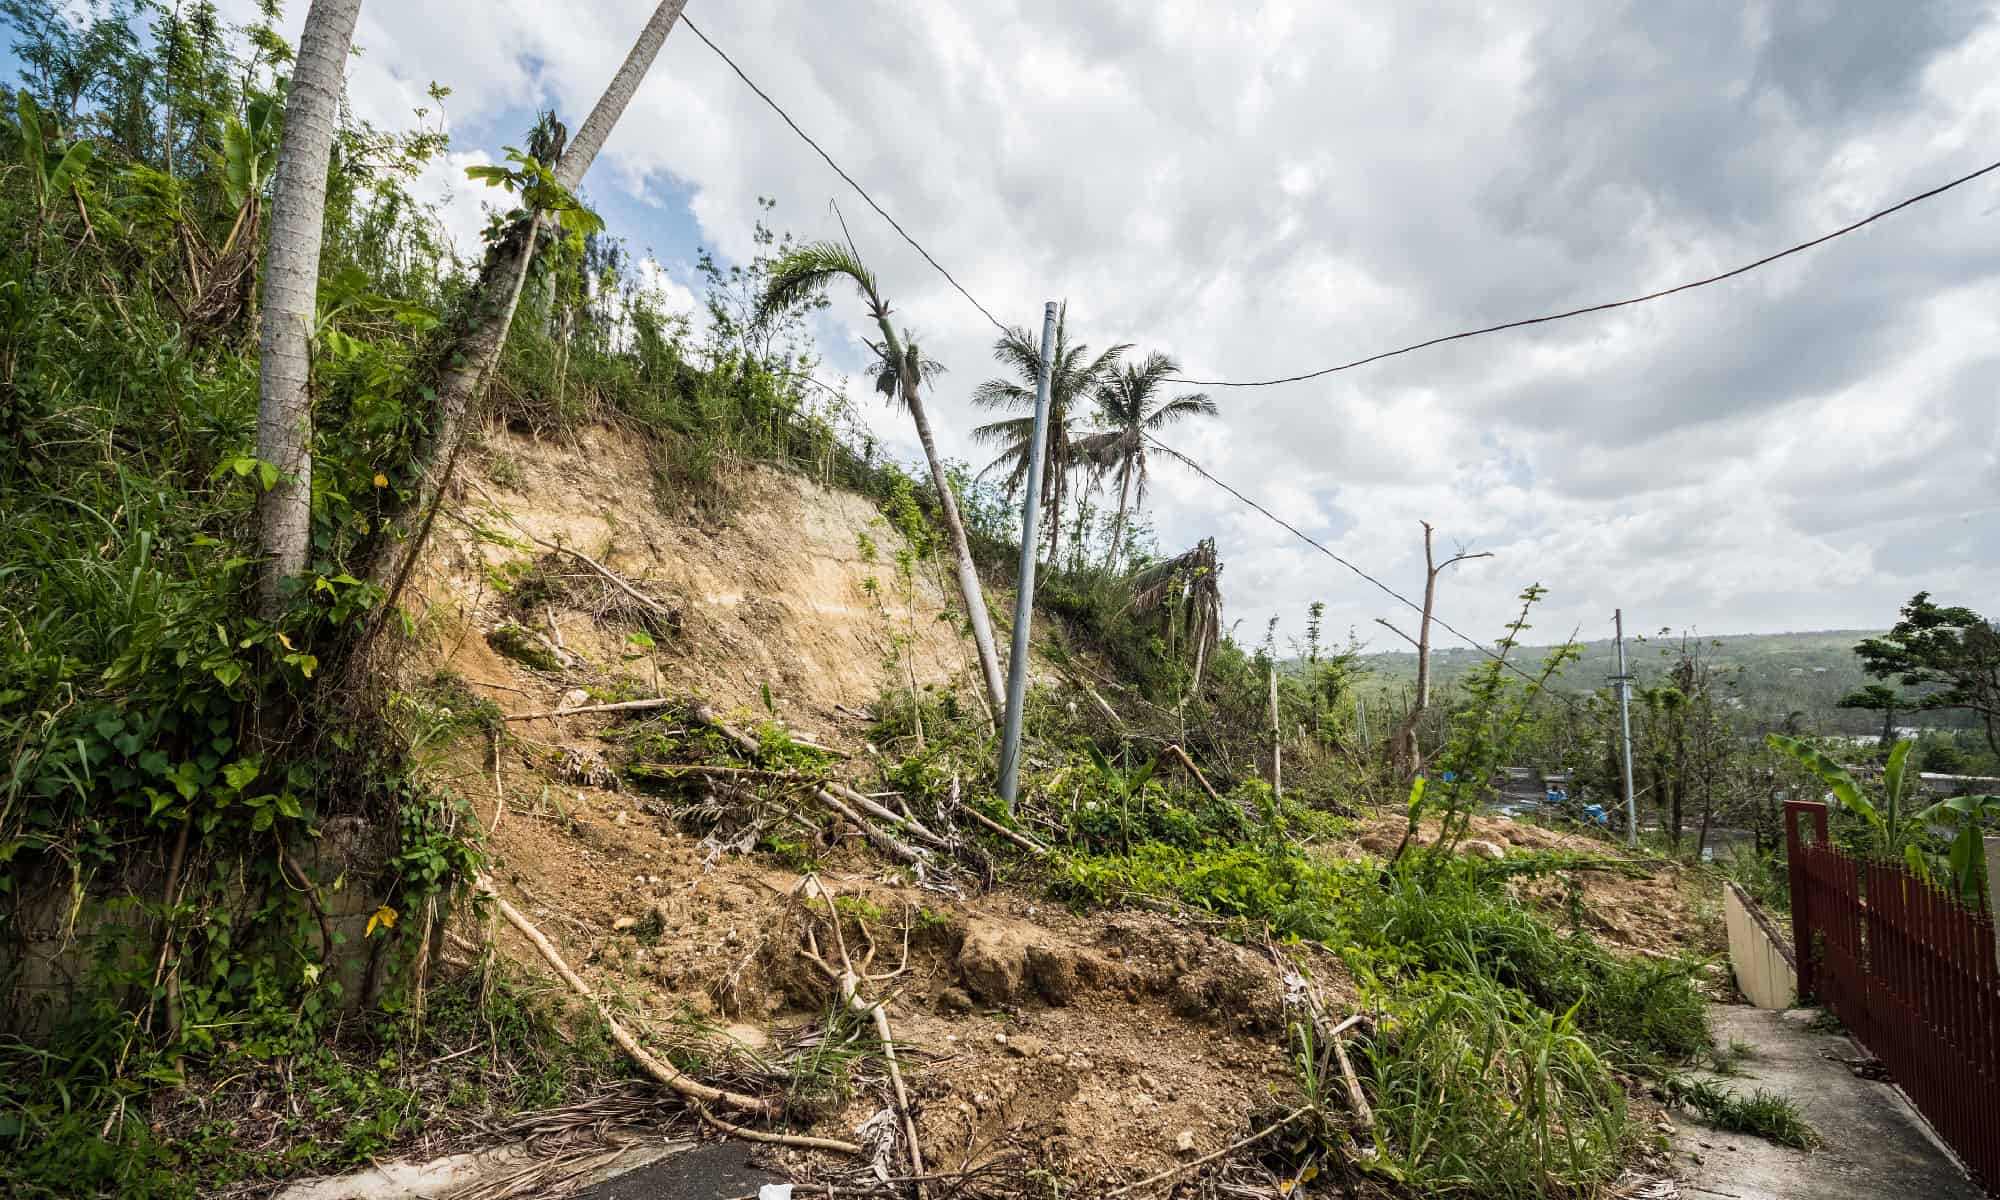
{"x":1269,"y":189}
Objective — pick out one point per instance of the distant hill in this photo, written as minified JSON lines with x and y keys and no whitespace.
{"x":1772,"y":673}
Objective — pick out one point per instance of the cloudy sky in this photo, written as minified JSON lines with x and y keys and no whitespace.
{"x":1263,"y":189}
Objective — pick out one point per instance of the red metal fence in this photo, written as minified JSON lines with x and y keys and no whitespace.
{"x":1912,"y":973}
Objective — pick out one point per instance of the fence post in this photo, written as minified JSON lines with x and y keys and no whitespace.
{"x":1795,"y":868}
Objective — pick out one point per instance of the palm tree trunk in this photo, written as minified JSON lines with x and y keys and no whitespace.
{"x":291,"y":286}
{"x":1118,"y":526}
{"x":500,"y":288}
{"x":968,"y":574}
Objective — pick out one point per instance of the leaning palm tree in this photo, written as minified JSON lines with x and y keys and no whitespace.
{"x":497,"y":294}
{"x":1130,"y":407}
{"x":802,"y":277}
{"x":1073,"y":375}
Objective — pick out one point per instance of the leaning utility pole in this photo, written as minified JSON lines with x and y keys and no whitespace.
{"x":1623,"y":682}
{"x":1024,"y":595}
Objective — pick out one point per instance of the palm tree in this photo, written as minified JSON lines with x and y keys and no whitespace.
{"x":501,"y":280}
{"x":1073,"y":374}
{"x":1129,"y":405}
{"x":801,"y":277}
{"x":291,"y":290}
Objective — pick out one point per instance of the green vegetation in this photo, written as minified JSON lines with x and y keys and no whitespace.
{"x":181,"y":748}
{"x":1762,"y":1113}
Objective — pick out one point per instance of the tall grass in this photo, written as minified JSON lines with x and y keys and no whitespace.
{"x":1480,"y":1092}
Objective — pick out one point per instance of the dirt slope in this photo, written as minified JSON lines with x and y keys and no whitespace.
{"x":1099,"y":1047}
{"x":775,"y":594}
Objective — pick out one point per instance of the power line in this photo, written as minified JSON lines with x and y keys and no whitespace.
{"x":807,"y":138}
{"x":1597,"y":308}
{"x":1300,"y":534}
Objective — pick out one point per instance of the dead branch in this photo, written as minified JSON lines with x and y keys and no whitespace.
{"x":1233,"y":1147}
{"x":1364,"y":1116}
{"x":847,"y":979}
{"x":743,"y":741}
{"x":883,"y":840}
{"x":621,"y":706}
{"x":869,"y":805}
{"x":616,"y":580}
{"x":1182,"y":756}
{"x":1019,"y":839}
{"x":803,"y":1141}
{"x":663,"y":1072}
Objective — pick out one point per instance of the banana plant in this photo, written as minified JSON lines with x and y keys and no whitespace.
{"x":50,"y":183}
{"x":1895,"y":833}
{"x":1884,"y":818}
{"x":1970,"y":816}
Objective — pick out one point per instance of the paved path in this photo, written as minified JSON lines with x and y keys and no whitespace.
{"x":712,"y":1171}
{"x":1875,"y":1147}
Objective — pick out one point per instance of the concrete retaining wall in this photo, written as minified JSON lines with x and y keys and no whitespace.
{"x":1765,"y":971}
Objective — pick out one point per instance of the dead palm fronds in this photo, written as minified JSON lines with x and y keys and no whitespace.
{"x":1187,"y":591}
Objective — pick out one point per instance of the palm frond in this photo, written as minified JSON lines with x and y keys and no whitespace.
{"x":802,"y":276}
{"x":1180,"y":408}
{"x":1013,"y":432}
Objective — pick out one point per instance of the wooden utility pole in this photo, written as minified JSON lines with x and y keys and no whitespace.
{"x":1277,"y":736}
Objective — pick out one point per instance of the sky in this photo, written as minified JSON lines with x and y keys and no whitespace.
{"x":1264,"y":189}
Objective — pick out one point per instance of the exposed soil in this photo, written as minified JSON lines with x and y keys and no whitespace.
{"x":777,"y":596}
{"x":1102,"y":1046}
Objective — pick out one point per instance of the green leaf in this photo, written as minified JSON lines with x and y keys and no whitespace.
{"x":1892,"y":784}
{"x":239,"y":773}
{"x":263,"y":819}
{"x":75,"y":161}
{"x":228,"y":673}
{"x":269,"y":473}
{"x":1831,"y":773}
{"x":32,"y":148}
{"x":240,"y":162}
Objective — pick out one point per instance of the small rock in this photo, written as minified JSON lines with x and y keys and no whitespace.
{"x":954,"y":999}
{"x":999,"y":1039}
{"x":1184,"y":1144}
{"x":620,"y":818}
{"x":623,"y":923}
{"x":1481,"y":848}
{"x":573,"y":698}
{"x":1022,"y":1045}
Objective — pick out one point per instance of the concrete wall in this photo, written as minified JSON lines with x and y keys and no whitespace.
{"x":51,"y":939}
{"x":1762,"y":962}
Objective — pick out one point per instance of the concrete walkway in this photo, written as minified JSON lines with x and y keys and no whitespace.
{"x":1874,"y":1147}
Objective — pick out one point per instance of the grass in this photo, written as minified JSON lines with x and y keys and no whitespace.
{"x":1478,"y":1092}
{"x":1763,"y":1113}
{"x":73,"y":1125}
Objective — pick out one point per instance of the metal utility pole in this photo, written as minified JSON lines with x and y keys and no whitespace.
{"x":1024,"y":595}
{"x":1623,"y":681}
